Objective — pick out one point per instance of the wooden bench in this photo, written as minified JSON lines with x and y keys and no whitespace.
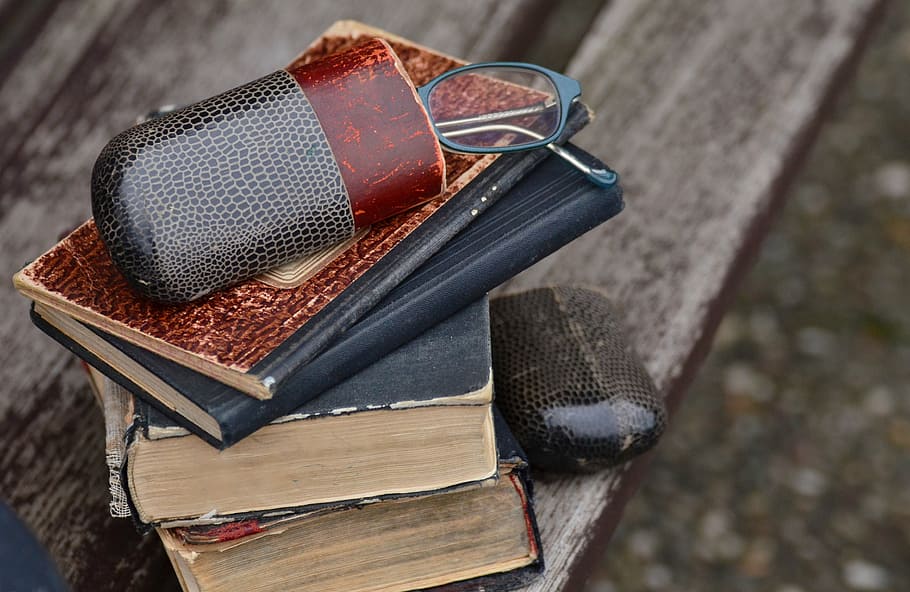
{"x":705,"y":108}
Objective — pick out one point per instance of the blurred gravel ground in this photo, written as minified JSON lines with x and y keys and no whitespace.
{"x":787,"y":467}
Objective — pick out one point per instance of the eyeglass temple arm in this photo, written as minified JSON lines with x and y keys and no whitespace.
{"x":599,"y":176}
{"x":496,"y":115}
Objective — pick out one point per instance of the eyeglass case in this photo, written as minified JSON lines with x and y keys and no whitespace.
{"x":283,"y":166}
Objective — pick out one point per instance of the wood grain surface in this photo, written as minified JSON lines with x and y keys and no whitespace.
{"x":704,"y":107}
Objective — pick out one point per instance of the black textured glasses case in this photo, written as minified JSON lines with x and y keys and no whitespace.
{"x":551,"y":206}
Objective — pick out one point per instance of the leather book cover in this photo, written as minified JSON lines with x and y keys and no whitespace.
{"x":255,"y":336}
{"x":550,"y":207}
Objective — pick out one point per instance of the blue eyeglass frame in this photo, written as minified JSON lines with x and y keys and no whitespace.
{"x":567,"y":91}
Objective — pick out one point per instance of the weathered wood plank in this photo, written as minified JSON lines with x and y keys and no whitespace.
{"x":87,"y":74}
{"x":19,"y":25}
{"x":704,"y":108}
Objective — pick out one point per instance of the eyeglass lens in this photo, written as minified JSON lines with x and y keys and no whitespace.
{"x":495,"y":107}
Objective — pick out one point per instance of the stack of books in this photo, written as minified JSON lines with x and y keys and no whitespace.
{"x":330,"y":425}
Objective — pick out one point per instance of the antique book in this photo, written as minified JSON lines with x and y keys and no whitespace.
{"x":255,"y":335}
{"x":550,"y":207}
{"x":415,"y":421}
{"x":482,"y":538}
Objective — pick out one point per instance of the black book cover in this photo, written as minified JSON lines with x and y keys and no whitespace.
{"x":550,"y":207}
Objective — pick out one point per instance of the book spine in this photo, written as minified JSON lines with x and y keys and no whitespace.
{"x":119,"y":420}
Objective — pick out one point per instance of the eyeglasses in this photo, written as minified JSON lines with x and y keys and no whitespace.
{"x":495,"y":107}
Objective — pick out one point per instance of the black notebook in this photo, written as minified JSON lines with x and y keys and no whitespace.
{"x":550,"y":207}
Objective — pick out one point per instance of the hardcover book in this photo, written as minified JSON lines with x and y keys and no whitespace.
{"x":413,"y":422}
{"x":550,"y":207}
{"x":256,"y":335}
{"x":482,"y":538}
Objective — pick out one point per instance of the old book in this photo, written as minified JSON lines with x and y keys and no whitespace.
{"x":118,"y":409}
{"x":418,"y":420}
{"x":255,"y":336}
{"x":550,"y":207}
{"x":480,"y":538}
